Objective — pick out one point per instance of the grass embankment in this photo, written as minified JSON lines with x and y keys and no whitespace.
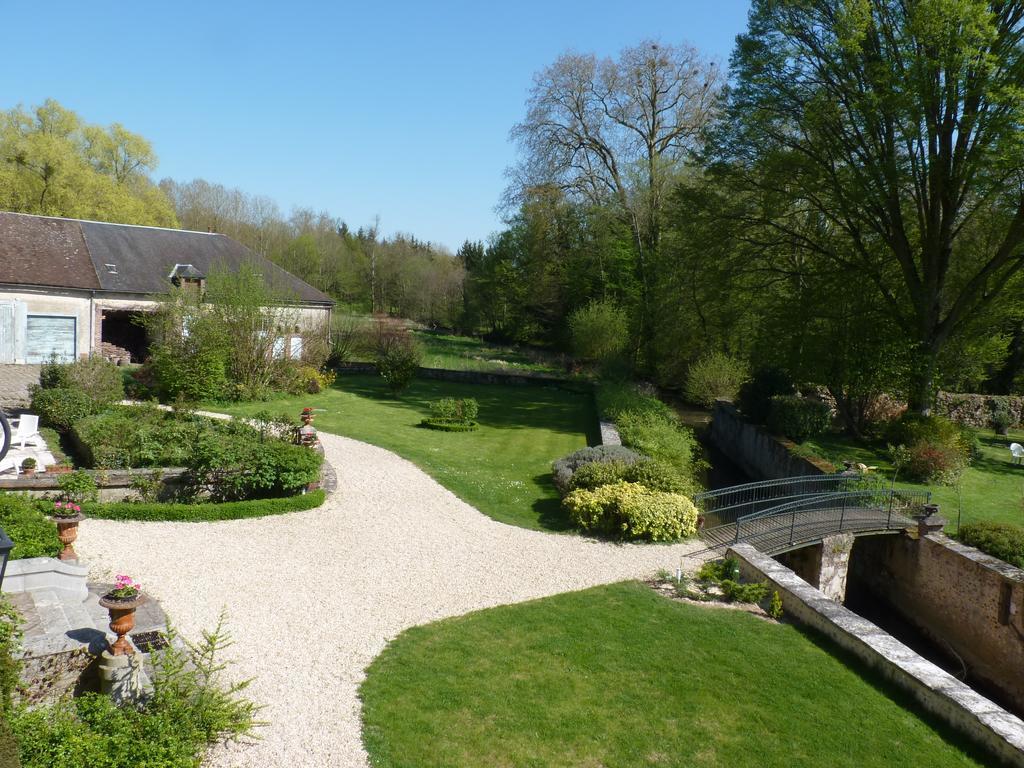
{"x":503,"y":468}
{"x":619,"y":676}
{"x":992,"y":486}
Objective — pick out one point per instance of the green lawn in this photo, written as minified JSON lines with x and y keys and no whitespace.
{"x":619,"y":676}
{"x":992,"y":487}
{"x":503,"y":469}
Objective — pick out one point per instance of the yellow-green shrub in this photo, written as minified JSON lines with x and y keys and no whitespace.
{"x":632,"y":511}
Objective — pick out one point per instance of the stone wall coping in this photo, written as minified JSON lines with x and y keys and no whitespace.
{"x":46,"y":573}
{"x":935,"y":689}
{"x":986,"y":561}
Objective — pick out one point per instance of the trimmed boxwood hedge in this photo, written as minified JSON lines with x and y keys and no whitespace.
{"x":204,"y":513}
{"x":449,"y":425}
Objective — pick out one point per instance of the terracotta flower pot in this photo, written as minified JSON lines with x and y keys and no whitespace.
{"x":28,"y":471}
{"x":67,"y":532}
{"x":122,"y":621}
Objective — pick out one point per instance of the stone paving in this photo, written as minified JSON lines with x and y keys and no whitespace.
{"x":14,"y":383}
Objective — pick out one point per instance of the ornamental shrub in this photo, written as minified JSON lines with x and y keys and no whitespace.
{"x":61,"y":407}
{"x":756,"y":395}
{"x":650,"y":473}
{"x":564,"y":468}
{"x":614,"y":399}
{"x":233,"y":464}
{"x":1001,"y":419}
{"x":1002,"y":540}
{"x":189,"y":370}
{"x":734,"y":591}
{"x":659,"y":436}
{"x":78,"y":487}
{"x":631,"y":511}
{"x":716,"y":376}
{"x":302,"y":379}
{"x":99,"y":379}
{"x":452,"y":409}
{"x":32,"y":533}
{"x":938,"y":449}
{"x":798,"y":418}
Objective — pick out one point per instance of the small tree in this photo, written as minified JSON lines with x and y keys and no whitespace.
{"x":716,"y":376}
{"x":600,"y":331}
{"x":396,"y":354}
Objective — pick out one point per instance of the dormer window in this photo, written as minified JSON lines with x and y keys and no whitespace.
{"x":188,"y":278}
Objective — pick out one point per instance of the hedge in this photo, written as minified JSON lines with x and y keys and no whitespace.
{"x":449,"y":425}
{"x":205,"y":513}
{"x":1002,"y":540}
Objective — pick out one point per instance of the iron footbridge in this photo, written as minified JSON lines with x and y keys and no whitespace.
{"x":776,"y":516}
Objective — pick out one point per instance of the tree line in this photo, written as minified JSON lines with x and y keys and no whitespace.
{"x":54,"y":163}
{"x":848,"y":205}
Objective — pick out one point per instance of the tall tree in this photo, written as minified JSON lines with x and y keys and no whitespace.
{"x":896,"y":124}
{"x":616,"y":132}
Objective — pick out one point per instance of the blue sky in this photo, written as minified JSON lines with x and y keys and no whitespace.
{"x":400,"y":109}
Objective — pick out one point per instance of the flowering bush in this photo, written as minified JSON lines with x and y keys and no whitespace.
{"x":66,"y":509}
{"x":125,"y":588}
{"x":631,"y":511}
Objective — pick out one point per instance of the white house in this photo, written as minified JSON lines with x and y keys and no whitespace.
{"x":70,"y":288}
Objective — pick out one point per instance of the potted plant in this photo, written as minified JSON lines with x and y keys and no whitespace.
{"x":67,"y":516}
{"x":121,"y":603}
{"x":307,"y":415}
{"x":28,"y":467}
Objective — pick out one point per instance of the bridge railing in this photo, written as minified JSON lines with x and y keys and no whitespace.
{"x":726,"y":505}
{"x":829,"y":513}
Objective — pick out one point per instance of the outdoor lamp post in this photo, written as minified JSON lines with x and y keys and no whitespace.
{"x":6,"y":545}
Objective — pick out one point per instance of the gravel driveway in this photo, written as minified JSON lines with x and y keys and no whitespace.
{"x":312,"y":597}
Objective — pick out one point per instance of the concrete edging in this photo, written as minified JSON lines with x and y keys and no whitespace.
{"x":941,"y":694}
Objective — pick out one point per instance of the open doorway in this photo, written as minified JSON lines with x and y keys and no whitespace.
{"x":123,"y":336}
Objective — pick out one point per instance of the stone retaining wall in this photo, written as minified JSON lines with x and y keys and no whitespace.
{"x":113,"y":484}
{"x":474,"y":377}
{"x":761,"y":455}
{"x":957,"y":596}
{"x":970,"y":713}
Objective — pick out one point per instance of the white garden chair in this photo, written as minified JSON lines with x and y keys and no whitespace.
{"x":7,"y":465}
{"x":1018,"y":451}
{"x":27,"y":429}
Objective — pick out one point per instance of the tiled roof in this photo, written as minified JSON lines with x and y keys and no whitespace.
{"x":120,"y":258}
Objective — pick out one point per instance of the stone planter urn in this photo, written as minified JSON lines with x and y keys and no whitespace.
{"x":67,"y":532}
{"x":122,"y":621}
{"x":307,"y":416}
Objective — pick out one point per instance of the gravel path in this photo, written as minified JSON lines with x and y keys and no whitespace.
{"x":312,"y":597}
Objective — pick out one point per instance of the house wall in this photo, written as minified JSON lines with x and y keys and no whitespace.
{"x":87,"y":309}
{"x":54,"y":302}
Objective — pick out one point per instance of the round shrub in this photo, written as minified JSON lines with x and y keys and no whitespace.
{"x":598,"y":473}
{"x":756,"y":395}
{"x":631,"y":511}
{"x":1001,"y":540}
{"x":935,"y":462}
{"x":913,"y":428}
{"x":564,"y":468}
{"x":659,"y":476}
{"x":716,"y":376}
{"x":798,"y":418}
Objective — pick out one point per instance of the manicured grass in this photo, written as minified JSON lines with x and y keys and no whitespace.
{"x":992,"y":487}
{"x":503,"y":468}
{"x":464,"y":353}
{"x":618,"y":676}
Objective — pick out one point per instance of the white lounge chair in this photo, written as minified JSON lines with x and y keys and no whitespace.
{"x":1018,"y":451}
{"x":7,"y":465}
{"x":27,"y":429}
